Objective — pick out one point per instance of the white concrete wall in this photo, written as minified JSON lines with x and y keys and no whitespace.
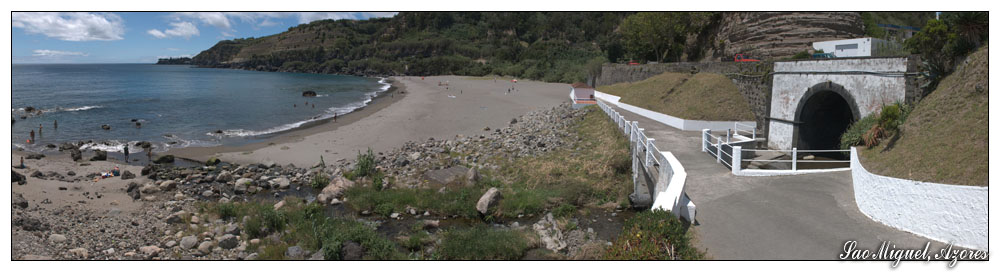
{"x":947,"y":213}
{"x":870,"y":91}
{"x":678,"y":123}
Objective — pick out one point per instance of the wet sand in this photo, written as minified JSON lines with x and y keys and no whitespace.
{"x":460,"y":105}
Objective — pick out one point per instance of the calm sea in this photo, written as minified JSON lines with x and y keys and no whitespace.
{"x":177,"y":105}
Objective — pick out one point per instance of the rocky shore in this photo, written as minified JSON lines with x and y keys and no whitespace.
{"x":160,"y":214}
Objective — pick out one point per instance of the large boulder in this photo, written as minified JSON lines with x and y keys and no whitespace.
{"x":76,"y":154}
{"x":100,"y":155}
{"x":18,"y":201}
{"x":488,"y":200}
{"x":34,"y":156}
{"x":212,"y":161}
{"x":127,"y":175}
{"x":224,"y":177}
{"x":168,"y":185}
{"x":309,"y":94}
{"x":334,"y":190}
{"x":164,"y":159}
{"x":281,"y":183}
{"x":149,"y":189}
{"x":472,"y":176}
{"x":17,"y":177}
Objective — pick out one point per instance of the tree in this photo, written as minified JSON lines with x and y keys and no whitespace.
{"x":660,"y":35}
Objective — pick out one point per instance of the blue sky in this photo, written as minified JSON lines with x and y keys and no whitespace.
{"x":142,"y":37}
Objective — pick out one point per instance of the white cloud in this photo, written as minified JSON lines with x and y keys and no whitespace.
{"x":71,"y":26}
{"x":56,"y":53}
{"x":180,"y":29}
{"x":216,"y":19}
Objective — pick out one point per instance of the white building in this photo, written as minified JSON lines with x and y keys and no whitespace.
{"x":863,"y":47}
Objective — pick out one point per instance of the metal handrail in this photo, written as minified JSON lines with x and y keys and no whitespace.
{"x":800,"y":150}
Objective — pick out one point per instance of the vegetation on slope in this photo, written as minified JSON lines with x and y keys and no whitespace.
{"x":550,"y":46}
{"x":945,"y":138}
{"x":702,"y":96}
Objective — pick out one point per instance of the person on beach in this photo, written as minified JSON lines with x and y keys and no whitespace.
{"x":126,"y":152}
{"x":149,"y":154}
{"x":334,"y":117}
{"x":32,"y":136}
{"x":314,"y":106}
{"x":39,"y":130}
{"x":55,"y":124}
{"x":22,"y":163}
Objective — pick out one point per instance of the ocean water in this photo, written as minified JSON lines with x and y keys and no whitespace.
{"x":177,"y":105}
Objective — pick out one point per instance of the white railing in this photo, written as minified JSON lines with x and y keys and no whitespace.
{"x":667,"y":190}
{"x":749,"y":130}
{"x":728,"y":152}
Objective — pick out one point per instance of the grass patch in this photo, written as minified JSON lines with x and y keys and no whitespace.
{"x":702,"y":96}
{"x":563,"y":179}
{"x":319,"y":181}
{"x":460,"y":201}
{"x":588,"y":173}
{"x":653,"y":235}
{"x":483,"y":243}
{"x":945,"y":138}
{"x":304,"y":225}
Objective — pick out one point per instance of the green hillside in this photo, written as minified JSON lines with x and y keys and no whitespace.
{"x":549,"y":46}
{"x":702,"y":96}
{"x":945,"y":139}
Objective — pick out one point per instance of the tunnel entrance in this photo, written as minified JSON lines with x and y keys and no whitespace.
{"x":823,"y":116}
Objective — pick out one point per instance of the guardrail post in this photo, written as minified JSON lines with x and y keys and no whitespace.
{"x":729,"y":136}
{"x":755,"y":132}
{"x":718,"y":151}
{"x":704,"y":139}
{"x":737,"y":159}
{"x":795,"y":158}
{"x":649,"y":142}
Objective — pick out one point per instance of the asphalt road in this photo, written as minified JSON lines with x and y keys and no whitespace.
{"x":802,"y":217}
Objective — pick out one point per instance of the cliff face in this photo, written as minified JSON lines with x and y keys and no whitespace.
{"x":781,"y":34}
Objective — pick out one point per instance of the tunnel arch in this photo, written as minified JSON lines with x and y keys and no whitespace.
{"x":822,"y":115}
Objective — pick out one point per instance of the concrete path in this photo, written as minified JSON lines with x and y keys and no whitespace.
{"x":804,"y":217}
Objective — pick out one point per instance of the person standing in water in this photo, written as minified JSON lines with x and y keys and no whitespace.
{"x":32,"y":136}
{"x":55,"y":124}
{"x":39,"y":130}
{"x":126,"y":152}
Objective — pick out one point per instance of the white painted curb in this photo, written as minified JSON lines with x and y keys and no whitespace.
{"x":948,"y":213}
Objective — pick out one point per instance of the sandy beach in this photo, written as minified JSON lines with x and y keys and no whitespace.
{"x":460,"y":105}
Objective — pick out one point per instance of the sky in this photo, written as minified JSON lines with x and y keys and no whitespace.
{"x":144,"y":37}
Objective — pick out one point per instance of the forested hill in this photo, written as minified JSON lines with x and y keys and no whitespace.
{"x":546,"y":46}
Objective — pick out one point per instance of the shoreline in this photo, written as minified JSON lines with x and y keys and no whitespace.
{"x":395,"y":93}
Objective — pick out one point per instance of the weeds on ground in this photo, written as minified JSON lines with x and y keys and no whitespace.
{"x":653,"y":235}
{"x":483,"y":243}
{"x":304,"y":225}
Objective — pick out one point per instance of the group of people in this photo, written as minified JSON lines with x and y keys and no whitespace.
{"x":31,"y":135}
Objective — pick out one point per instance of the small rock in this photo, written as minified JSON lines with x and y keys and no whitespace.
{"x":79,"y":252}
{"x":229,"y":241}
{"x":189,"y":242}
{"x":57,"y":238}
{"x":150,"y":250}
{"x":16,"y":200}
{"x":279,"y":205}
{"x":295,"y":252}
{"x":205,"y":247}
{"x":352,"y":251}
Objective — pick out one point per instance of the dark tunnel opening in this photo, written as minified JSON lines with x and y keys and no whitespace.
{"x":824,"y":117}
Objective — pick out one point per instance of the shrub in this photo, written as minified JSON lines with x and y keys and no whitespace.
{"x":802,"y":55}
{"x":319,"y":181}
{"x":854,"y":135}
{"x":365,"y":166}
